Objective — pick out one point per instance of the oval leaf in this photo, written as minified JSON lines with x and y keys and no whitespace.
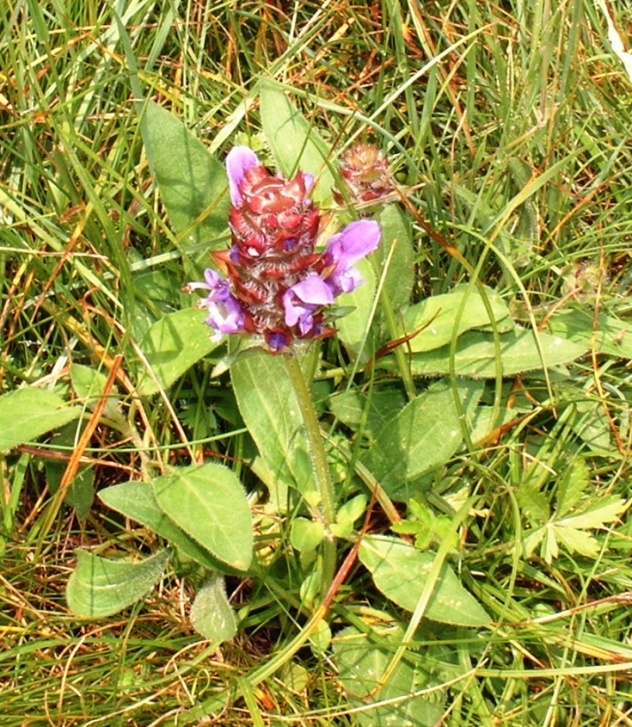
{"x":268,"y":405}
{"x":437,"y":317}
{"x":422,"y":436}
{"x":520,"y":351}
{"x":137,"y":500}
{"x":26,"y":414}
{"x":193,"y":184}
{"x":211,"y":613}
{"x":362,"y":661}
{"x":294,"y":142}
{"x":172,"y":345}
{"x":208,"y":502}
{"x":399,"y":572}
{"x":100,"y":587}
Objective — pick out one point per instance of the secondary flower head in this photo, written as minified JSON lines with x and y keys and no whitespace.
{"x":277,"y":284}
{"x":365,"y":173}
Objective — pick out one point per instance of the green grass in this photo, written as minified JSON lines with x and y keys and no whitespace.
{"x":509,"y":124}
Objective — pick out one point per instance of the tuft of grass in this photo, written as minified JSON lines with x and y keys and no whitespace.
{"x":509,"y":124}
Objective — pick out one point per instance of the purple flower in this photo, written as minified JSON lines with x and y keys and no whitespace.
{"x":277,"y":284}
{"x":225,"y":312}
{"x":343,"y":251}
{"x":302,"y":300}
{"x":239,"y":160}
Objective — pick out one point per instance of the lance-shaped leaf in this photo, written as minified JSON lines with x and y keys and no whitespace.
{"x":399,"y":571}
{"x":193,"y":184}
{"x":422,"y":436}
{"x":520,"y":351}
{"x":100,"y":587}
{"x":269,"y":407}
{"x":294,"y":142}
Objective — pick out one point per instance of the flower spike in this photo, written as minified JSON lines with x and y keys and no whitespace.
{"x":277,"y":284}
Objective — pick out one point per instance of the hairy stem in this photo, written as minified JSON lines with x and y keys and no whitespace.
{"x":320,"y":467}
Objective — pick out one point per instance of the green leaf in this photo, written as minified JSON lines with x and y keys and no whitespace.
{"x":353,"y":509}
{"x":577,"y":541}
{"x":363,"y":659}
{"x":598,"y":516}
{"x":349,"y":406}
{"x":137,"y":501}
{"x":208,"y":503}
{"x":476,"y":355}
{"x":26,"y":414}
{"x":608,"y":334}
{"x":269,"y":408}
{"x":354,"y":328}
{"x":193,"y":184}
{"x":295,"y":144}
{"x":399,"y":571}
{"x":306,"y":534}
{"x":100,"y":587}
{"x":172,"y":346}
{"x":400,"y":276}
{"x":592,"y":425}
{"x":89,"y":385}
{"x":425,"y":434}
{"x":437,"y":316}
{"x":571,"y":486}
{"x":211,"y":613}
{"x":534,"y":504}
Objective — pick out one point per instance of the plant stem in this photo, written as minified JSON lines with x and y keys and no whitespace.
{"x":320,"y":467}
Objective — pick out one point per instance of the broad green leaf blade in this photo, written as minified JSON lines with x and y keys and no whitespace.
{"x":211,"y":613}
{"x":295,"y":143}
{"x":349,"y":406}
{"x":422,"y":436}
{"x":100,"y":587}
{"x":209,"y":503}
{"x":400,"y":276}
{"x":172,"y":346}
{"x":26,"y":414}
{"x":193,"y":184}
{"x":608,"y":334}
{"x":268,"y":405}
{"x":399,"y":572}
{"x":137,"y":500}
{"x":354,"y":328}
{"x":362,"y":660}
{"x":437,"y":316}
{"x":476,"y":355}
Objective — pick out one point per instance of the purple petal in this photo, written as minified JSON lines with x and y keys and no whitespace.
{"x":308,"y":180}
{"x":302,"y":300}
{"x":313,"y":289}
{"x":344,"y":281}
{"x":356,"y":241}
{"x":239,"y":160}
{"x":226,"y":316}
{"x":277,"y":340}
{"x":218,"y":287}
